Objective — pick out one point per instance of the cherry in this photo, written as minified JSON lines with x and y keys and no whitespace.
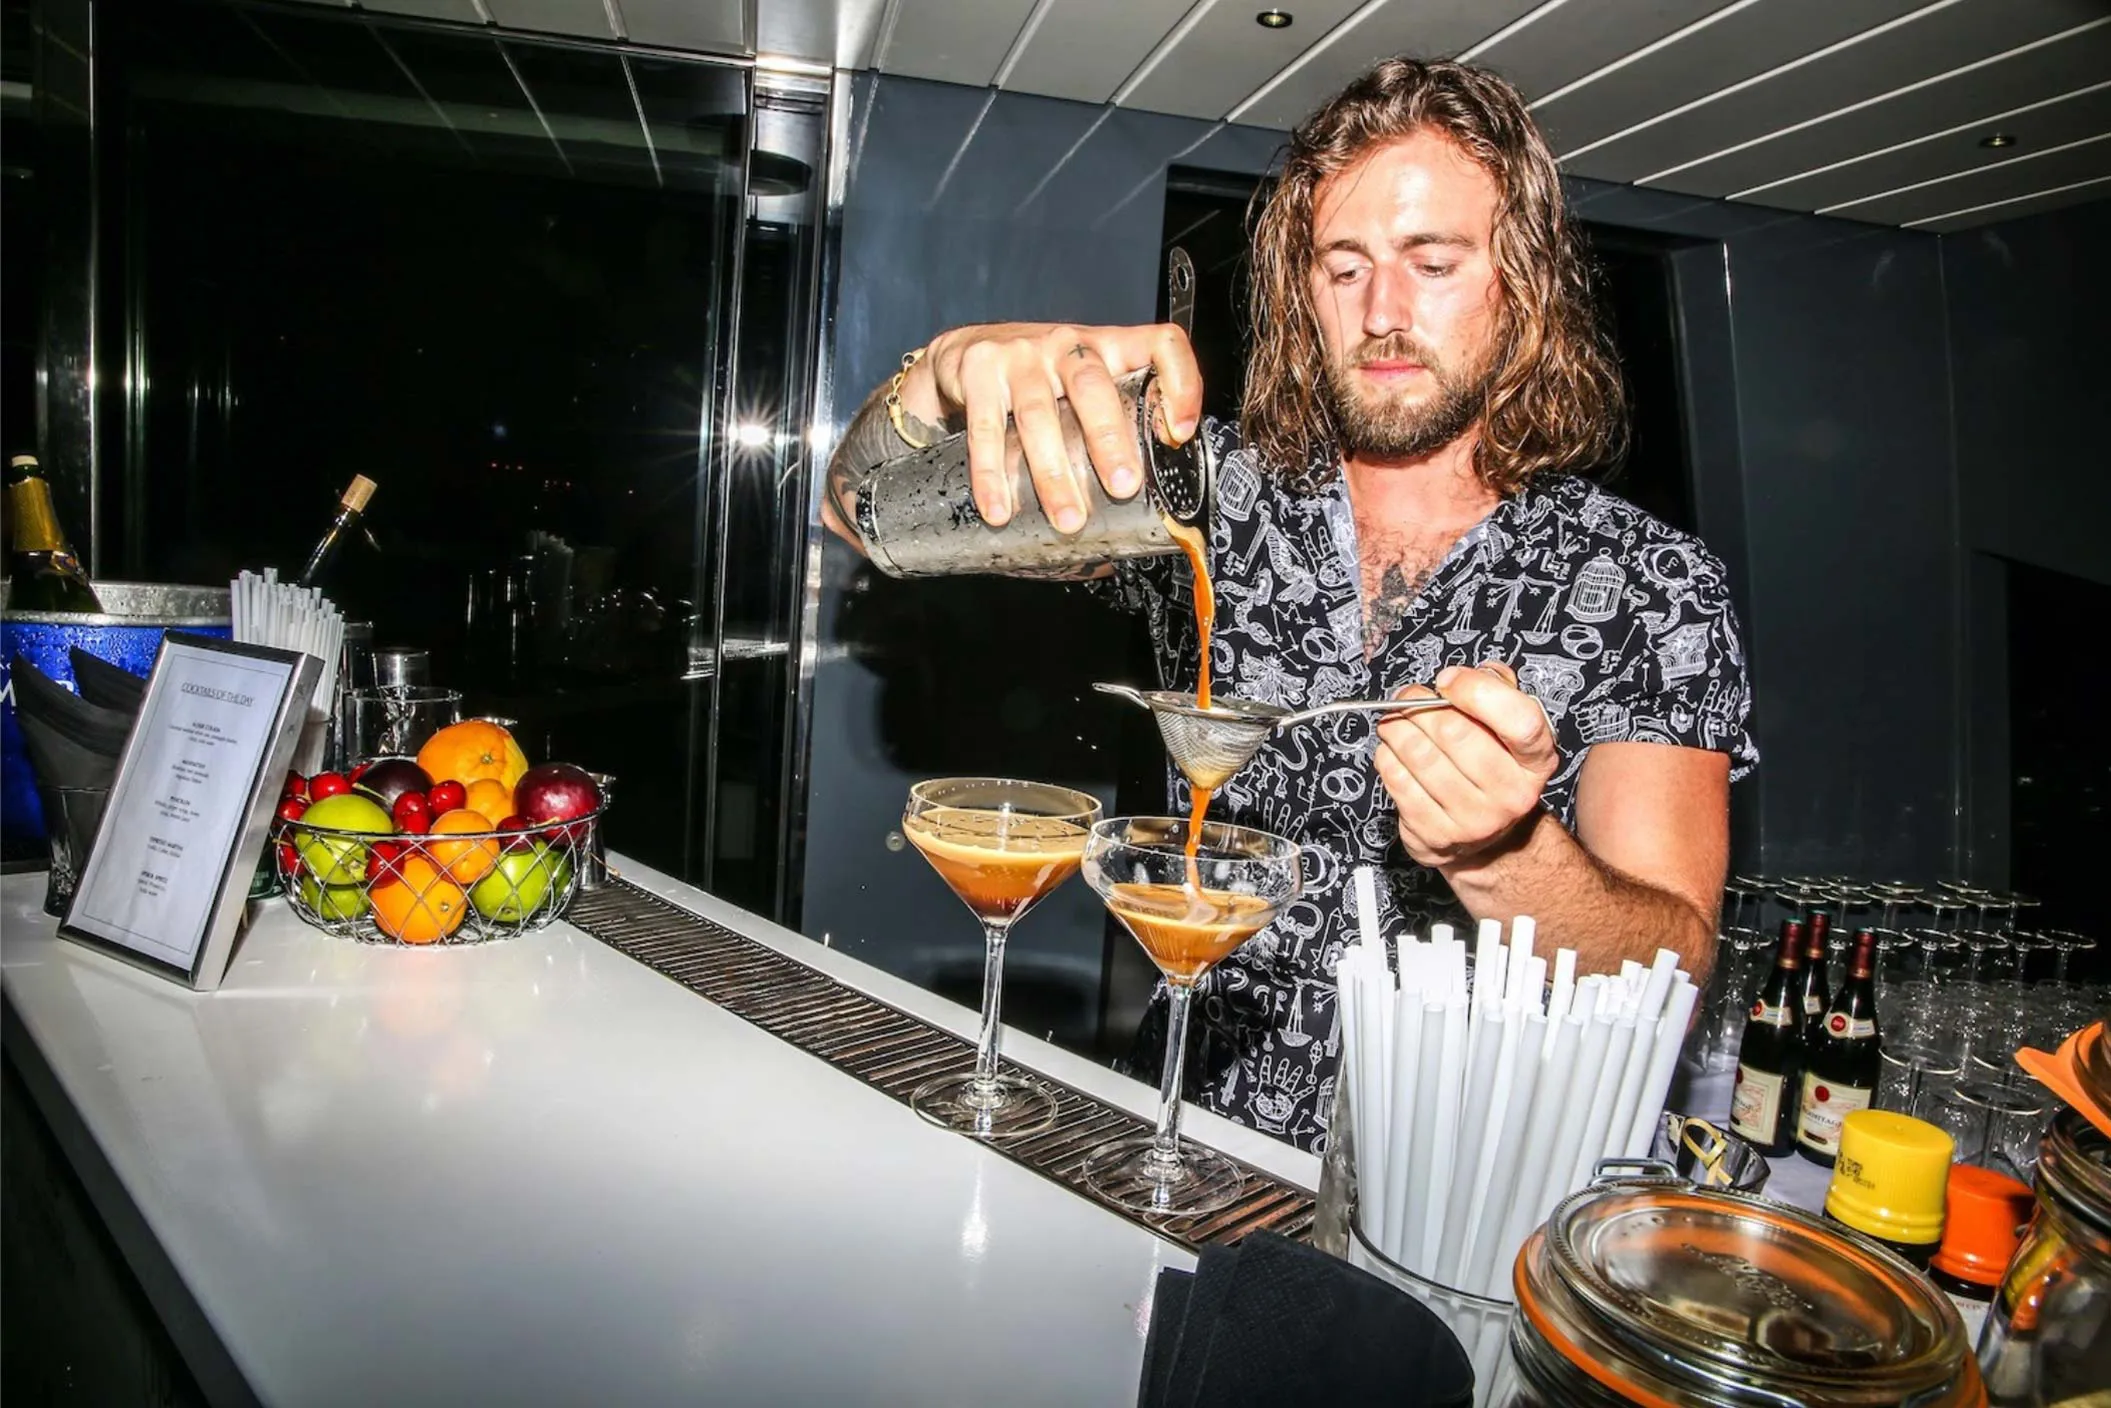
{"x":289,"y":860}
{"x":327,"y":784}
{"x":381,"y":867}
{"x":292,"y":808}
{"x":446,"y":796}
{"x":358,"y":773}
{"x":413,"y":823}
{"x":296,"y":785}
{"x":516,"y":822}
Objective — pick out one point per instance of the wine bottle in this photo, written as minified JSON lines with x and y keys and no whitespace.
{"x":349,"y":508}
{"x":42,"y":572}
{"x":1815,"y":997}
{"x":1770,"y":1060}
{"x":1842,"y":1072}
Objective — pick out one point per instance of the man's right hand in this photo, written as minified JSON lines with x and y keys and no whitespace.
{"x":992,"y":370}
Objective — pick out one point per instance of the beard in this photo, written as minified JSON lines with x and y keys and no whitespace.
{"x":1389,"y":428}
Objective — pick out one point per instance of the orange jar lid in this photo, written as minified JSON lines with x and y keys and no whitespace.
{"x":1986,"y":1214}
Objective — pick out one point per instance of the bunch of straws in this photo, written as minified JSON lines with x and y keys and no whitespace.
{"x":270,"y":612}
{"x":1479,"y":1104}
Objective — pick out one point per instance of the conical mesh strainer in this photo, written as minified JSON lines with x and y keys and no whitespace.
{"x":1209,"y":745}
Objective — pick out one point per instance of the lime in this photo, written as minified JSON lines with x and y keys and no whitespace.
{"x":333,"y":901}
{"x":521,"y":884}
{"x":338,"y":860}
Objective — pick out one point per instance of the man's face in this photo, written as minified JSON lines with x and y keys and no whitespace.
{"x":1409,"y":304}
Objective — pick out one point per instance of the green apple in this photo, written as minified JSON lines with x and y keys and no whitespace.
{"x":521,"y":883}
{"x":333,"y":901}
{"x":338,"y":860}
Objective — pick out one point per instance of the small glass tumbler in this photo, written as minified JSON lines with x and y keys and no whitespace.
{"x":394,"y":721}
{"x":78,"y":815}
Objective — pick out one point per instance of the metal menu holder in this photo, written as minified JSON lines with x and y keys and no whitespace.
{"x":167,"y":881}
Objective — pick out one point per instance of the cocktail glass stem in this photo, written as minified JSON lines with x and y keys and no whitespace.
{"x":1165,"y":1143}
{"x":986,"y":1090}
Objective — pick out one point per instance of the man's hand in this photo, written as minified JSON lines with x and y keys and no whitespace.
{"x":1021,"y":370}
{"x":1465,"y":778}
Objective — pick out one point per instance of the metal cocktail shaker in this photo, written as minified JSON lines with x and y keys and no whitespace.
{"x":917,"y":517}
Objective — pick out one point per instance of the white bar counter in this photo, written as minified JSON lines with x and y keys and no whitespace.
{"x":537,"y":1172}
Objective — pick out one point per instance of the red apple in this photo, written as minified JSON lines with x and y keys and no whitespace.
{"x":386,"y":779}
{"x":327,"y":784}
{"x":556,"y":792}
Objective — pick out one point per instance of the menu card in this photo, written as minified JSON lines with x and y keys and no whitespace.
{"x":168,"y":878}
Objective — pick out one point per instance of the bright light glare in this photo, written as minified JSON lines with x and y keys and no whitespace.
{"x":752,"y":434}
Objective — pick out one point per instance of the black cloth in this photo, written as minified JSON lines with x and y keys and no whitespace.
{"x":1275,"y":1322}
{"x":1620,"y":626}
{"x":104,"y":684}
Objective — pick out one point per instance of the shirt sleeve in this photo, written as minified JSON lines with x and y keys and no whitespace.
{"x":1699,"y":694}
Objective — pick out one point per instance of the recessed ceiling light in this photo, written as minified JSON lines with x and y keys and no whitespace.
{"x":1998,"y":140}
{"x":1273,"y":19}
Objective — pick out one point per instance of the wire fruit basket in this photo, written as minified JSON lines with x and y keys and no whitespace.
{"x":463,"y":887}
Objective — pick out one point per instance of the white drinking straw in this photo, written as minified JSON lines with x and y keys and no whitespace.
{"x":1535,"y":1150}
{"x":1658,"y":984}
{"x":1421,"y":1182}
{"x":1477,"y":1099}
{"x":1498,"y":1183}
{"x":1663,"y":1064}
{"x":1451,"y":1078}
{"x":1395,"y":1123}
{"x":1578,"y":1082}
{"x":1633,"y":1077}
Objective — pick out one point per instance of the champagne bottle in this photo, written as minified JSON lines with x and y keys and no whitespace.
{"x":1770,"y":1061}
{"x":349,"y":509}
{"x":1815,"y":998}
{"x":42,"y":572}
{"x":1842,"y":1072}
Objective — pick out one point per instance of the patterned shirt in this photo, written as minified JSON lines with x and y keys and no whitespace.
{"x":1619,"y":625}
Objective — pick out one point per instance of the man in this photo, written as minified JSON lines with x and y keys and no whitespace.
{"x":1397,"y":510}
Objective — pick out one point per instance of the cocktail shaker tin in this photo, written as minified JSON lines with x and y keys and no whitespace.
{"x":916,"y":513}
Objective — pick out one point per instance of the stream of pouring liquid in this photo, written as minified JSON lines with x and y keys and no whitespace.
{"x":1190,"y":539}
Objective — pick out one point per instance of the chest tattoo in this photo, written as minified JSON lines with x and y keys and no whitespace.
{"x":1387,"y":606}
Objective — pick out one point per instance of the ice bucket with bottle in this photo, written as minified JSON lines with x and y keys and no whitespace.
{"x":127,"y":633}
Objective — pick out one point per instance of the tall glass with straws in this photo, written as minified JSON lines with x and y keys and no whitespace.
{"x":1189,"y":903}
{"x":1001,"y":846}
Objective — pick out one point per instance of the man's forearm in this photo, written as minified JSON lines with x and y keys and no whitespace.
{"x":1582,"y":903}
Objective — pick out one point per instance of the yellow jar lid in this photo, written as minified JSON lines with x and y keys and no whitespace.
{"x":1891,"y":1177}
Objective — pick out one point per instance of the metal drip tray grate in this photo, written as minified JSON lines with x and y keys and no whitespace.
{"x":895,"y":1052}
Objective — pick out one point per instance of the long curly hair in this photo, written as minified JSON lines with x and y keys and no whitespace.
{"x":1555,"y":402}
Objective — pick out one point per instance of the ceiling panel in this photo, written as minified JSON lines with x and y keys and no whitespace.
{"x":2041,"y":74}
{"x":2054,"y":125}
{"x":840,"y":32}
{"x":1371,"y":33}
{"x":2098,"y":189}
{"x":588,"y":18}
{"x":709,"y":26}
{"x":955,"y":41}
{"x":1744,"y":39}
{"x":1084,"y":49}
{"x":1221,"y":55}
{"x":460,"y":11}
{"x":2020,"y":176}
{"x":1579,"y":37}
{"x":1940,"y":42}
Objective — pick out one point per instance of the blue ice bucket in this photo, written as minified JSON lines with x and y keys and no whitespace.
{"x":127,"y":633}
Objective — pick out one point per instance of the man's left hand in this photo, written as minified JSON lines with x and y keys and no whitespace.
{"x":1464,"y":778}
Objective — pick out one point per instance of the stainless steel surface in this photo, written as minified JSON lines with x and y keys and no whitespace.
{"x":134,"y":603}
{"x":917,"y":517}
{"x":1209,"y":745}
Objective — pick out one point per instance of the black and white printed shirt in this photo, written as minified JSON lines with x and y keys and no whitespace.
{"x":1619,"y":625}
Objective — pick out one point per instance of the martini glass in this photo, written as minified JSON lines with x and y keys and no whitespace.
{"x":1001,"y":845}
{"x":1188,"y":906}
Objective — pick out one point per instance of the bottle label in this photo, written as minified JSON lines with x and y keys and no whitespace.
{"x":1813,"y":1005}
{"x":34,"y":522}
{"x":1841,"y":1026}
{"x":1755,"y":1106}
{"x":1768,"y":1016}
{"x":1825,"y":1105}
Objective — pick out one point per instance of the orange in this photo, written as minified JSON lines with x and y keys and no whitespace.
{"x":473,"y":750}
{"x":465,"y":862}
{"x":421,"y":908}
{"x":490,"y":799}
